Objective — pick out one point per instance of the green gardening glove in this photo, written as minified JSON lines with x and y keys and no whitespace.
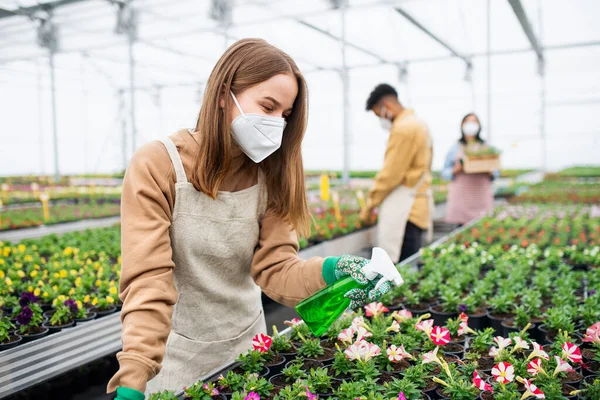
{"x":335,"y":268}
{"x":124,"y":393}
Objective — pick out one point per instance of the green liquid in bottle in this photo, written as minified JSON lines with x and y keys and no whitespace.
{"x":323,"y":308}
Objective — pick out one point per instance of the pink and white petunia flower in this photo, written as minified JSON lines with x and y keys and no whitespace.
{"x":535,"y":367}
{"x":347,"y":335}
{"x":463,"y":317}
{"x":401,"y":396}
{"x":592,"y":334}
{"x":397,"y":354}
{"x":357,"y":322}
{"x":562,"y":366}
{"x":425,"y":326}
{"x":362,"y":333}
{"x":394,"y":328}
{"x":571,"y":352}
{"x":538,"y":351}
{"x":502,"y":342}
{"x":440,"y":336}
{"x":520,"y":343}
{"x":503,"y":372}
{"x":252,"y":396}
{"x":402,"y":315}
{"x":464,"y":329}
{"x":431,"y":357}
{"x":374,"y":309}
{"x":262,"y":343}
{"x":494,"y":351}
{"x":481,"y":384}
{"x":356,"y":351}
{"x":532,"y":390}
{"x":371,"y":351}
{"x":293,"y":322}
{"x":309,"y":395}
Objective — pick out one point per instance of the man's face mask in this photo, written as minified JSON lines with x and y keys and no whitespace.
{"x":385,"y":118}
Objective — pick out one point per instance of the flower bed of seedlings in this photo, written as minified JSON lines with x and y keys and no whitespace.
{"x":59,"y":213}
{"x":560,"y":192}
{"x":507,"y":309}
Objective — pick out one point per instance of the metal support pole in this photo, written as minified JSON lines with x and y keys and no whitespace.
{"x":489,"y":70}
{"x":54,"y":132}
{"x":40,"y":119}
{"x":132,"y":91}
{"x":346,"y":105}
{"x":123,"y":126}
{"x":84,"y":114}
{"x":542,"y":71}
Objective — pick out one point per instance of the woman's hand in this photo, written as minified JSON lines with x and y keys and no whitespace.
{"x":458,"y":168}
{"x":349,"y":265}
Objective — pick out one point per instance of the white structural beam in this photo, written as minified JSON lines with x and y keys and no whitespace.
{"x":527,"y":27}
{"x":432,"y":35}
{"x":29,"y":11}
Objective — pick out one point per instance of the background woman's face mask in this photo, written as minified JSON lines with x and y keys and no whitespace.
{"x":258,"y":135}
{"x":470,"y":128}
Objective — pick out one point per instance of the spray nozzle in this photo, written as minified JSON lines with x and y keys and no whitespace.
{"x":381,"y":264}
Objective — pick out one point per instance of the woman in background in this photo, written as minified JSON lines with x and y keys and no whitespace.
{"x":469,"y":195}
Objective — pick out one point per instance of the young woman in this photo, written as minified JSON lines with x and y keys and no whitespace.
{"x":209,"y":218}
{"x":469,"y":195}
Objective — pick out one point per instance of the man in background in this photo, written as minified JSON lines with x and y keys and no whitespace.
{"x":402,"y":187}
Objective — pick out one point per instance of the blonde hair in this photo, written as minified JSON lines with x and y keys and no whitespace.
{"x":246,"y":63}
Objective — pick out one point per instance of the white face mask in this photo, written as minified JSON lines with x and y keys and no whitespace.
{"x":384,"y":120}
{"x":470,"y":128}
{"x":258,"y":135}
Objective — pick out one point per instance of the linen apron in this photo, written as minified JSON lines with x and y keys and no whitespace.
{"x":394,"y":212}
{"x":219,"y":308}
{"x":470,"y":196}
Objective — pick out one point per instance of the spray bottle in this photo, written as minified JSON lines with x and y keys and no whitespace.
{"x":323,"y":308}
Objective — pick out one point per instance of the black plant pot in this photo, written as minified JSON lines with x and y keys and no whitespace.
{"x":496,"y":323}
{"x":58,"y":328}
{"x":42,"y":331}
{"x":478,"y":322}
{"x":17,"y":340}
{"x":308,"y":364}
{"x":457,"y":350}
{"x":508,"y":328}
{"x":440,"y":317}
{"x":102,"y":313}
{"x":276,"y":366}
{"x":417,"y":311}
{"x":90,"y":316}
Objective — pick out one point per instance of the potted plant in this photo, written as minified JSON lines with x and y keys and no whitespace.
{"x":591,"y":355}
{"x":263,"y":344}
{"x":501,"y":309}
{"x":290,"y":374}
{"x":60,"y":319}
{"x":479,"y":348}
{"x":8,"y":339}
{"x":557,"y":319}
{"x":521,"y":320}
{"x":202,"y":391}
{"x":321,"y":381}
{"x":404,"y":386}
{"x":103,"y":305}
{"x":473,"y":306}
{"x":30,"y":323}
{"x":448,"y":307}
{"x":253,"y":361}
{"x":231,"y":382}
{"x":78,"y":313}
{"x":164,"y":395}
{"x":312,"y":349}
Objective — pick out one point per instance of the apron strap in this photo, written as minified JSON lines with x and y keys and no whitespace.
{"x":176,"y":160}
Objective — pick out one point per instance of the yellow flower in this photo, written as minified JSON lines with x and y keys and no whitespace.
{"x":112,"y":290}
{"x":28,"y":258}
{"x":72,"y":291}
{"x":73,"y":272}
{"x":36,"y":292}
{"x":21,"y":274}
{"x":30,"y":289}
{"x":56,"y":264}
{"x":62,"y":298}
{"x":110,"y":300}
{"x":45,"y":294}
{"x":56,"y":275}
{"x":1,"y":261}
{"x":1,"y":274}
{"x":36,"y":266}
{"x":94,"y":301}
{"x":78,"y":282}
{"x":55,"y":288}
{"x":33,"y":273}
{"x":63,"y":273}
{"x":34,"y":247}
{"x":22,"y":248}
{"x":54,"y":302}
{"x":79,"y":304}
{"x":67,"y":251}
{"x":98,"y":283}
{"x":88,"y":261}
{"x":112,"y":283}
{"x":8,"y":281}
{"x":96,"y":265}
{"x":119,"y":259}
{"x":81,"y":271}
{"x":86,"y":299}
{"x":40,"y":283}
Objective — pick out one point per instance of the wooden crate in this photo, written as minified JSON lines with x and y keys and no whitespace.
{"x":481,"y":165}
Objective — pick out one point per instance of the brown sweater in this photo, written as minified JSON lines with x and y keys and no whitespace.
{"x":147,"y":287}
{"x":407,"y":157}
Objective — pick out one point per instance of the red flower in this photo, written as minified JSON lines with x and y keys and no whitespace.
{"x":503,"y":372}
{"x":571,"y":352}
{"x":440,"y":336}
{"x":481,"y":384}
{"x":262,"y":343}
